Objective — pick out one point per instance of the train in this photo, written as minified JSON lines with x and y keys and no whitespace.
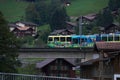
{"x":80,"y":41}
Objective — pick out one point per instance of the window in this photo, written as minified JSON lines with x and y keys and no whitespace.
{"x":75,"y":41}
{"x":116,"y":38}
{"x":104,"y":38}
{"x":68,"y":39}
{"x":110,"y":38}
{"x":53,"y":67}
{"x":56,"y":39}
{"x":50,"y":39}
{"x":62,"y":39}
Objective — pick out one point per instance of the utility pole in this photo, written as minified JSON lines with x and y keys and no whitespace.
{"x":80,"y":25}
{"x":101,"y":68}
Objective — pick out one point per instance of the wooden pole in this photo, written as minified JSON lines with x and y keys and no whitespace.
{"x":101,"y":66}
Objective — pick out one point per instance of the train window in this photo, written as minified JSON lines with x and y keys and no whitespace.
{"x":56,"y":38}
{"x":110,"y":38}
{"x":75,"y":41}
{"x":62,"y":39}
{"x":82,"y":40}
{"x":116,"y":38}
{"x":104,"y":38}
{"x":50,"y":39}
{"x":68,"y":38}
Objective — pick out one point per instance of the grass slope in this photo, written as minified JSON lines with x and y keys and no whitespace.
{"x":83,"y":7}
{"x":12,"y":9}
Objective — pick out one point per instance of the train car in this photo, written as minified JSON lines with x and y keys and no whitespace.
{"x":110,"y":37}
{"x":83,"y":41}
{"x":71,"y":41}
{"x":59,"y":41}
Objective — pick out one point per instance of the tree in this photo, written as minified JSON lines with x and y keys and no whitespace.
{"x":114,"y":4}
{"x":118,"y":17}
{"x":32,"y":14}
{"x":104,"y":18}
{"x":38,"y":12}
{"x":43,"y":9}
{"x":58,"y":15}
{"x":8,"y":48}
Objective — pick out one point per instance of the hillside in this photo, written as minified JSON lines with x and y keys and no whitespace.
{"x":14,"y":10}
{"x":83,"y":7}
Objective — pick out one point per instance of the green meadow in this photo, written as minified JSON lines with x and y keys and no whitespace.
{"x":83,"y":7}
{"x":15,"y":10}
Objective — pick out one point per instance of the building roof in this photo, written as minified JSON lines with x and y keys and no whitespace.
{"x":89,"y":62}
{"x":27,"y":23}
{"x":108,"y":45}
{"x":111,"y":25}
{"x":47,"y":61}
{"x":60,"y":31}
{"x":12,"y":25}
{"x":71,"y":23}
{"x":23,"y":28}
{"x":90,"y":16}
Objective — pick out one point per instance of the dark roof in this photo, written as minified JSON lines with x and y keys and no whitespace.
{"x":111,"y":25}
{"x":60,"y":30}
{"x":47,"y":61}
{"x":27,"y":23}
{"x":71,"y":23}
{"x":90,"y":16}
{"x":12,"y":25}
{"x":89,"y":62}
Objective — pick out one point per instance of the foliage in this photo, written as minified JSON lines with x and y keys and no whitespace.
{"x":27,"y":69}
{"x":114,"y":4}
{"x":43,"y":32}
{"x":104,"y":18}
{"x":27,"y":41}
{"x":38,"y":12}
{"x":58,"y":15}
{"x":8,"y":48}
{"x":118,"y":17}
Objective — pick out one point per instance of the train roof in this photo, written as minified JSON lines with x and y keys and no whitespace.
{"x":59,"y":36}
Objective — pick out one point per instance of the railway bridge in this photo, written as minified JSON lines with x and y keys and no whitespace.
{"x":55,"y":52}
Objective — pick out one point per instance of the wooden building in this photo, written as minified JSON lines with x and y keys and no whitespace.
{"x":21,"y":29}
{"x":71,"y":26}
{"x":112,"y":28}
{"x":104,"y":67}
{"x":57,"y":67}
{"x":87,"y":19}
{"x":62,"y":32}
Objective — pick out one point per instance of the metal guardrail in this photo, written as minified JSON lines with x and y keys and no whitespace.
{"x":116,"y":76}
{"x":13,"y":76}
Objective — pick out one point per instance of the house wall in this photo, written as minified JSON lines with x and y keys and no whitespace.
{"x":59,"y":67}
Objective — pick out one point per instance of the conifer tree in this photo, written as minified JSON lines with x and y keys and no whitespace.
{"x":104,"y":18}
{"x":8,"y":48}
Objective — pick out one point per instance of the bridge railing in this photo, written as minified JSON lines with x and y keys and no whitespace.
{"x":12,"y":76}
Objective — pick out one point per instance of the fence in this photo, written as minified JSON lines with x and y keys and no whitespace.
{"x":12,"y":76}
{"x":116,"y":76}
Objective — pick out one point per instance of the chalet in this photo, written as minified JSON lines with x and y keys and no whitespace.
{"x":87,"y":19}
{"x":71,"y":25}
{"x":104,"y":67}
{"x":21,"y":29}
{"x":57,"y":67}
{"x":112,"y":28}
{"x":63,"y":32}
